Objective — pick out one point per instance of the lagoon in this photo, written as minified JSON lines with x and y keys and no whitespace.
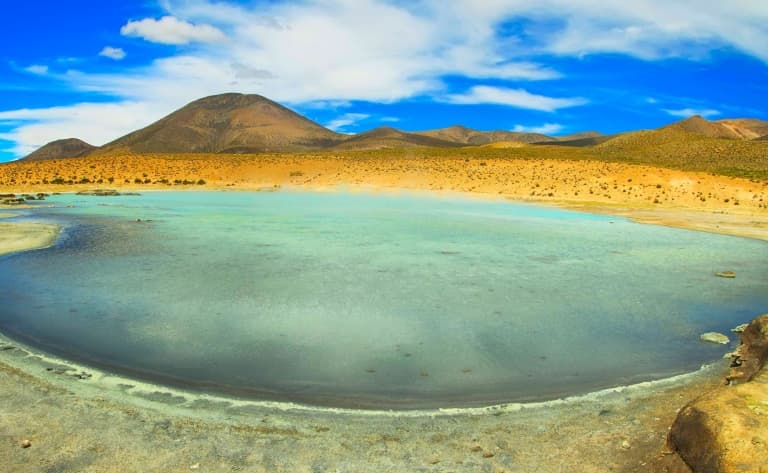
{"x":375,"y":301}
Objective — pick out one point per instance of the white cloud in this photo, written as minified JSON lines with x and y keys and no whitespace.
{"x":648,"y":29}
{"x":545,"y":129}
{"x":338,"y":124}
{"x":482,"y":94}
{"x":171,"y":30}
{"x":37,"y":69}
{"x":113,"y":53}
{"x":95,"y":123}
{"x":689,"y":112}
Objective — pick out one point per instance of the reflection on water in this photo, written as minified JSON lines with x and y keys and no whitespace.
{"x":376,"y":301}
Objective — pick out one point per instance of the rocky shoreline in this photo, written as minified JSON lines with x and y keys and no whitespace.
{"x":726,"y":429}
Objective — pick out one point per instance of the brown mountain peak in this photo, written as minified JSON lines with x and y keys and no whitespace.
{"x":65,"y":148}
{"x":231,"y":123}
{"x":701,"y":126}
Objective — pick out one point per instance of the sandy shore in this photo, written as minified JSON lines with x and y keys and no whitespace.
{"x":83,"y":420}
{"x":16,"y":236}
{"x":80,"y":419}
{"x":694,"y":200}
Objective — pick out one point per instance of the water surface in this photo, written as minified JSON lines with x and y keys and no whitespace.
{"x":375,"y":301}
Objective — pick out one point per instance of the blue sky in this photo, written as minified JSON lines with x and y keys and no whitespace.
{"x":98,"y":70}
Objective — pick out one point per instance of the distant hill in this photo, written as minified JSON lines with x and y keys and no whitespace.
{"x":581,"y":136}
{"x":746,"y":128}
{"x":66,"y":148}
{"x":228,"y":123}
{"x":580,"y":142}
{"x":387,"y":137}
{"x":238,"y":123}
{"x":467,"y":136}
{"x":701,"y":126}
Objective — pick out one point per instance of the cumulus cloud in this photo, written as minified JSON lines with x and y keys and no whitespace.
{"x":37,"y":69}
{"x":545,"y":129}
{"x":113,"y":53}
{"x":648,"y":29}
{"x":171,"y":30}
{"x":338,"y":124}
{"x":96,"y":123}
{"x":689,"y":112}
{"x":519,"y":98}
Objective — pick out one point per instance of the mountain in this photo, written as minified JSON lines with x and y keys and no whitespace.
{"x":701,"y":126}
{"x":228,"y":123}
{"x":66,"y":148}
{"x":746,"y":128}
{"x":580,"y":142}
{"x":387,"y":137}
{"x":238,"y":123}
{"x":467,"y":136}
{"x":581,"y":136}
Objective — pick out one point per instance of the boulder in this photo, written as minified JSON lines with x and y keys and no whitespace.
{"x":714,"y":337}
{"x":726,"y":430}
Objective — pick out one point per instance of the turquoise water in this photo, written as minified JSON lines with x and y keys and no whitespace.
{"x":375,"y":301}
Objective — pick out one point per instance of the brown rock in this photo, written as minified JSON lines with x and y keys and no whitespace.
{"x":752,"y":353}
{"x":726,"y":430}
{"x":26,"y":443}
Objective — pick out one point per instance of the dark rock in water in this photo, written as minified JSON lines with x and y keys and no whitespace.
{"x":7,"y":196}
{"x":12,"y":201}
{"x":726,"y":430}
{"x":99,"y":192}
{"x":726,"y":274}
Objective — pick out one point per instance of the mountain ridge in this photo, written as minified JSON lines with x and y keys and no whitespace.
{"x":235,"y":123}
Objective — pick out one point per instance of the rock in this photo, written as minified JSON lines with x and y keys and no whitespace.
{"x":99,"y":192}
{"x":739,"y":328}
{"x":726,"y":274}
{"x":12,"y":201}
{"x":752,"y":352}
{"x":726,"y":430}
{"x":625,"y":445}
{"x":714,"y":337}
{"x":26,"y":443}
{"x":196,"y":466}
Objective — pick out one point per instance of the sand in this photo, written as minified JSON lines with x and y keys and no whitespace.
{"x":78,"y":422}
{"x":16,"y":236}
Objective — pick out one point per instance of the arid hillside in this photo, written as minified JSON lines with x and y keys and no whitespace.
{"x":228,"y":123}
{"x":66,"y":148}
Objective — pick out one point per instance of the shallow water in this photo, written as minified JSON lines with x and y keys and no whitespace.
{"x":375,"y":301}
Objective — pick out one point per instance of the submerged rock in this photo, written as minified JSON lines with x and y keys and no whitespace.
{"x":714,"y":337}
{"x":739,"y":328}
{"x":726,"y":430}
{"x":99,"y":192}
{"x":726,"y":274}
